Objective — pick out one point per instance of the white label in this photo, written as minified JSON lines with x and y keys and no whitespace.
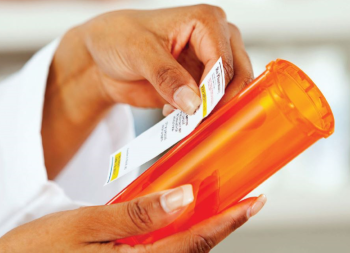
{"x":170,"y":130}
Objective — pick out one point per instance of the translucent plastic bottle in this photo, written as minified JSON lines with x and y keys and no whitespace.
{"x":279,"y":115}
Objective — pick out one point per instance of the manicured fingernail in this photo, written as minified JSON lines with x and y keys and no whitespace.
{"x":257,"y":205}
{"x":187,"y":100}
{"x":167,"y":109}
{"x":173,"y":200}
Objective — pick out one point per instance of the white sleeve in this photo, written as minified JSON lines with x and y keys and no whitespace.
{"x":25,"y":191}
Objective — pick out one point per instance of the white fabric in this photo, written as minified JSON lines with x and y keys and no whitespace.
{"x":25,"y":191}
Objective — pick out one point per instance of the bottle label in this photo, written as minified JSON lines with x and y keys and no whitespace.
{"x":170,"y":130}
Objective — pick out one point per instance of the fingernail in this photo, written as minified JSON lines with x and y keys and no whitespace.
{"x":167,"y":109}
{"x":187,"y":100}
{"x":257,"y":205}
{"x":173,"y":200}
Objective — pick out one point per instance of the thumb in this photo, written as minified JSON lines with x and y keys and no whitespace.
{"x":203,"y":236}
{"x":139,"y":216}
{"x":172,"y":81}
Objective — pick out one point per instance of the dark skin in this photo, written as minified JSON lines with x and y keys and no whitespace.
{"x":148,"y":59}
{"x":94,"y":229}
{"x":139,"y":58}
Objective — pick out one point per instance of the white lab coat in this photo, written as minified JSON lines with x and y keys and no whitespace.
{"x":25,"y":192}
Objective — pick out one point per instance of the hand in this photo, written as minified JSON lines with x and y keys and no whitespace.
{"x":136,"y":53}
{"x":142,"y":58}
{"x":94,"y":229}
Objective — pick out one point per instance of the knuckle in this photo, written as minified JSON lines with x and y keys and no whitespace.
{"x":228,"y":69}
{"x":235,"y":29}
{"x":204,"y":8}
{"x":210,"y":11}
{"x":247,"y":80}
{"x":235,"y":222}
{"x":201,"y":244}
{"x":139,"y":215}
{"x":219,"y":11}
{"x":207,"y":8}
{"x":167,"y":78}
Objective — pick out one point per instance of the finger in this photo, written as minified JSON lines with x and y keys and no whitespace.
{"x":167,"y":109}
{"x":210,"y":39}
{"x":139,"y":216}
{"x":169,"y":78}
{"x":205,"y":235}
{"x":189,"y":61}
{"x":242,"y":65}
{"x":135,"y":93}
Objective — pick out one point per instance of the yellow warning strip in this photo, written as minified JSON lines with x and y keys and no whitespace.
{"x":204,"y":98}
{"x":116,"y":166}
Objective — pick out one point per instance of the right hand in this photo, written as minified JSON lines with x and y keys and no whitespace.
{"x":148,"y":58}
{"x":144,"y":58}
{"x":94,"y":229}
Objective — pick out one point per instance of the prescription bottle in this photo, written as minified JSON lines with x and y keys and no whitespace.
{"x":275,"y":118}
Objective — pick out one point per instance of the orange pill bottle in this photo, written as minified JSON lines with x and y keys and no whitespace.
{"x":279,"y":115}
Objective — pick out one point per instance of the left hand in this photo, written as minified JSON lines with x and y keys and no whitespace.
{"x":94,"y":229}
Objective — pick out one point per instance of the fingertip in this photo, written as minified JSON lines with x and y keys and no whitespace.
{"x":256,"y":206}
{"x":175,"y":199}
{"x":188,"y":194}
{"x":187,"y":99}
{"x":168,"y":109}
